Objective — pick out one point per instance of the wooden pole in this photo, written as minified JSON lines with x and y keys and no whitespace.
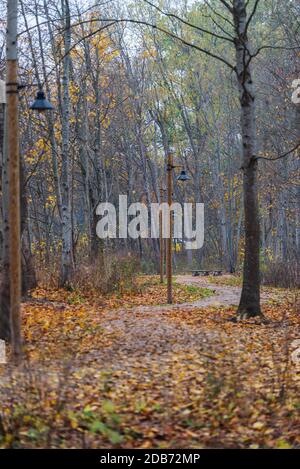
{"x":14,"y":176}
{"x":5,"y":328}
{"x":169,"y":239}
{"x":161,"y":240}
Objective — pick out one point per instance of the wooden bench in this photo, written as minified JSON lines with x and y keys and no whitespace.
{"x":215,"y":273}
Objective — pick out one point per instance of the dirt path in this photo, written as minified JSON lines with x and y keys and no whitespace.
{"x":222,"y":295}
{"x":147,"y":330}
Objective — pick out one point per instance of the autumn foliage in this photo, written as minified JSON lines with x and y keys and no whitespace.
{"x":104,"y":373}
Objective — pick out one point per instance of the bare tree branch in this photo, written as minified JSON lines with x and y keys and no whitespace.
{"x":227,"y":5}
{"x":219,"y":26}
{"x":273,"y":47}
{"x":187,"y":23}
{"x":158,"y":28}
{"x":218,"y":14}
{"x":280,"y":156}
{"x":251,"y":15}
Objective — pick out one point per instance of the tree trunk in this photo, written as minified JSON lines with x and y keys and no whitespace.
{"x":297,"y":189}
{"x":29,"y":280}
{"x":250,"y":298}
{"x":67,"y":250}
{"x":98,"y":186}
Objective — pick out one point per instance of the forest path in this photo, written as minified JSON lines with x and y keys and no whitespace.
{"x":148,"y":332}
{"x":222,"y":295}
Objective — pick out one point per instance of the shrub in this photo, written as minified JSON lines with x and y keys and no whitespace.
{"x":116,"y":274}
{"x":281,"y":274}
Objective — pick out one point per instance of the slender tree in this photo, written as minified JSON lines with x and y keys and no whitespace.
{"x":67,"y":239}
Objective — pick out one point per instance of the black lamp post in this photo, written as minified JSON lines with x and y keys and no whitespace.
{"x":41,"y":103}
{"x":183,"y":177}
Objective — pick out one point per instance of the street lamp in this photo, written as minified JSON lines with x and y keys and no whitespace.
{"x":182,"y":177}
{"x":41,"y":103}
{"x":12,"y":131}
{"x":161,"y":240}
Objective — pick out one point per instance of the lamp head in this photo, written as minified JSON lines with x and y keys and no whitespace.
{"x":183,"y":177}
{"x":41,"y":103}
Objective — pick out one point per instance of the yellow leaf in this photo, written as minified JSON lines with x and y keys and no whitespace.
{"x":258,"y":425}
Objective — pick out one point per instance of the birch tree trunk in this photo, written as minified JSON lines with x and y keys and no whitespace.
{"x":29,"y":280}
{"x":50,"y":117}
{"x":250,"y":298}
{"x":297,"y":190}
{"x":67,"y":250}
{"x":98,"y":187}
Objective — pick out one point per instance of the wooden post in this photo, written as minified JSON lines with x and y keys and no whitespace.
{"x":169,"y":239}
{"x":5,"y":329}
{"x":14,"y":176}
{"x":161,"y":240}
{"x":2,"y":114}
